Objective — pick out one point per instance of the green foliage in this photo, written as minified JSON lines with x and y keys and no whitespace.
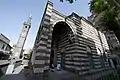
{"x":97,"y":6}
{"x":70,"y":1}
{"x":29,"y":52}
{"x":111,"y":12}
{"x":28,"y":55}
{"x":109,"y":19}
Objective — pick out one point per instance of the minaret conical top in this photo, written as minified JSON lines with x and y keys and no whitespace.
{"x":29,"y":19}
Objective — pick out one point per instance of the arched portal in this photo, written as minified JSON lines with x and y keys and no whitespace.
{"x":60,"y":39}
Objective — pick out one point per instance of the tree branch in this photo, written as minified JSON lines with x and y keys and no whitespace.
{"x":116,"y":3}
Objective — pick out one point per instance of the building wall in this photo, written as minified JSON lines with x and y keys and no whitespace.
{"x":4,"y":38}
{"x":42,"y":46}
{"x":8,"y":48}
{"x":112,"y":39}
{"x":104,"y":40}
{"x":91,"y":32}
{"x":3,"y":44}
{"x":4,"y":47}
{"x":78,"y":59}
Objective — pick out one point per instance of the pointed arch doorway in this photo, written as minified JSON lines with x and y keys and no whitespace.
{"x":60,"y":40}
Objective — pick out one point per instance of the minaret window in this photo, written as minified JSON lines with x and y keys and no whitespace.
{"x":88,"y":49}
{"x":3,"y":46}
{"x":108,"y":38}
{"x":25,"y":26}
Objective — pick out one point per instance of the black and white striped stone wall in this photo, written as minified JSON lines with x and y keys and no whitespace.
{"x":76,"y":57}
{"x":42,"y":44}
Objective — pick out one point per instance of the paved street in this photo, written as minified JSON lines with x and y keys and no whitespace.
{"x":57,"y":75}
{"x":64,"y":75}
{"x":18,"y":69}
{"x":4,"y":66}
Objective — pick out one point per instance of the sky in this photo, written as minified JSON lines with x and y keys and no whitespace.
{"x":14,"y":12}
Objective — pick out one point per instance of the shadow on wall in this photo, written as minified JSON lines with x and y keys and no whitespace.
{"x":3,"y":69}
{"x":1,"y":72}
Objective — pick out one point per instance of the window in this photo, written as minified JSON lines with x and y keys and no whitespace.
{"x":25,"y":26}
{"x":88,"y":49}
{"x":99,"y":51}
{"x":111,"y":46}
{"x":108,"y":38}
{"x":3,"y":46}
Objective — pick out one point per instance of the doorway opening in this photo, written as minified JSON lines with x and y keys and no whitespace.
{"x":60,"y":40}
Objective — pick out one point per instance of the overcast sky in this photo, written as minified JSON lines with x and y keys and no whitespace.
{"x":14,"y":12}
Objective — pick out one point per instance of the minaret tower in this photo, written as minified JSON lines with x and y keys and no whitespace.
{"x":18,"y":50}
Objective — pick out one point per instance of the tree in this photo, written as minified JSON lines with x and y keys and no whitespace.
{"x":98,"y":6}
{"x":110,"y":18}
{"x":28,"y":54}
{"x":70,"y":1}
{"x":117,"y":2}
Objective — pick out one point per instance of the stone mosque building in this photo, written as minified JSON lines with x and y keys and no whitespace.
{"x":71,"y":41}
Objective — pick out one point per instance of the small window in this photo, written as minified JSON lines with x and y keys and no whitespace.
{"x":25,"y":26}
{"x":88,"y":49}
{"x":111,"y":46}
{"x":3,"y":46}
{"x":109,"y":38}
